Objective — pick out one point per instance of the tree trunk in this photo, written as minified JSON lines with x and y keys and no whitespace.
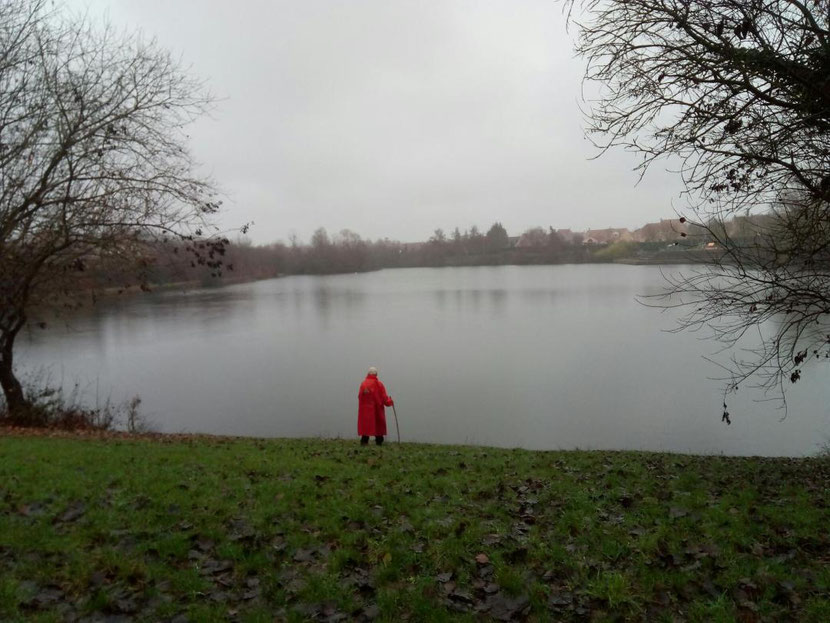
{"x":16,"y":404}
{"x":12,"y":390}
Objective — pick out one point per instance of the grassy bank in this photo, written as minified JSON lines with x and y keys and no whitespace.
{"x":216,"y":529}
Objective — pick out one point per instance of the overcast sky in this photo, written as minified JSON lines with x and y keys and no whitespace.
{"x":395,"y":117}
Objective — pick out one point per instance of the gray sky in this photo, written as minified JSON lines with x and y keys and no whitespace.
{"x":395,"y":117}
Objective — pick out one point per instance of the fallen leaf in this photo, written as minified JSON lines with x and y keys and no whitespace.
{"x":461,"y":596}
{"x":560,"y":600}
{"x":303,"y":555}
{"x":506,"y":609}
{"x":73,"y":512}
{"x":486,"y":571}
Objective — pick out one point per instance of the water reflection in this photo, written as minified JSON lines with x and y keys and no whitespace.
{"x":472,"y":299}
{"x":498,"y":300}
{"x":328,"y":298}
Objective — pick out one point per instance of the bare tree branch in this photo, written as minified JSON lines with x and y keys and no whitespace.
{"x":737,"y":91}
{"x":93,"y":161}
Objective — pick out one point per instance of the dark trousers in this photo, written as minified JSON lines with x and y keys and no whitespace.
{"x":364,"y":440}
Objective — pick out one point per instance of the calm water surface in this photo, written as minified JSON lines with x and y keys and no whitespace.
{"x":541,"y":357}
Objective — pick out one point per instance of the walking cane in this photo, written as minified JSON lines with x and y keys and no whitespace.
{"x":398,"y":428}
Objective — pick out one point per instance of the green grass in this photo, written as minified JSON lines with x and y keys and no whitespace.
{"x":255,"y":530}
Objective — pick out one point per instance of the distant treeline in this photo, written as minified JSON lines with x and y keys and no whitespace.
{"x":347,"y":252}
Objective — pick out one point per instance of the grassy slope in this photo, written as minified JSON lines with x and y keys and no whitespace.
{"x":216,"y":529}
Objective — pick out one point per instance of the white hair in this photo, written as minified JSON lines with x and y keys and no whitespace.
{"x":373,"y":371}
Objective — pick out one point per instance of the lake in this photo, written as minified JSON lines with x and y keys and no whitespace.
{"x":541,"y":357}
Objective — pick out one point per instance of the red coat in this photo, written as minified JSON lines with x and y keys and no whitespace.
{"x":371,"y":399}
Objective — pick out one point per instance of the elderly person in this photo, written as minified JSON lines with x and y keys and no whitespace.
{"x":371,"y":416}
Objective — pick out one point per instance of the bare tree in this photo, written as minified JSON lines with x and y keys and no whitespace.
{"x":534,"y":238}
{"x":738,"y":93}
{"x":93,"y":163}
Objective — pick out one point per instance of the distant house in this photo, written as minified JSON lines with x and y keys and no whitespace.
{"x":606,"y":236}
{"x":664,"y":231}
